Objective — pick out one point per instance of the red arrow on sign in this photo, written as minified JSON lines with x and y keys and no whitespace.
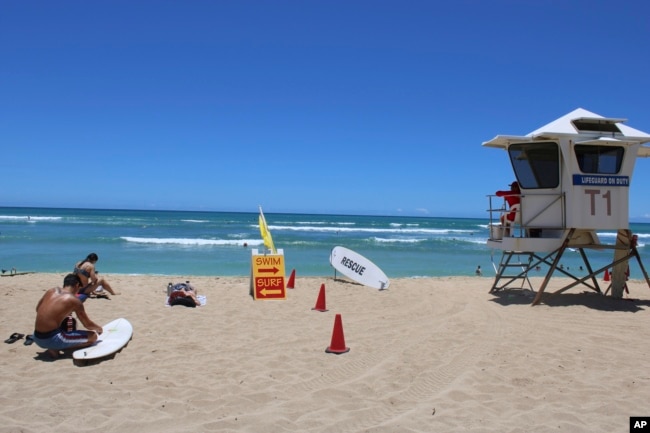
{"x":265,"y":292}
{"x":273,"y":270}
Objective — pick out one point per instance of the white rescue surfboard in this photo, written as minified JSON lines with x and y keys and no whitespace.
{"x":358,"y":268}
{"x":114,"y":337}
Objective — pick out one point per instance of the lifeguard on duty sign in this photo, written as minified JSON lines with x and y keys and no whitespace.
{"x":267,"y":273}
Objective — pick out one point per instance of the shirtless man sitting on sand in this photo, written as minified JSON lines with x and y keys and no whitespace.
{"x":55,"y":305}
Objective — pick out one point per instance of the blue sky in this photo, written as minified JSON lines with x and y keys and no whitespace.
{"x":353,"y":107}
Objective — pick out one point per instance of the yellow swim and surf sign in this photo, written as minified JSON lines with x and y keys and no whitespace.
{"x":267,"y":270}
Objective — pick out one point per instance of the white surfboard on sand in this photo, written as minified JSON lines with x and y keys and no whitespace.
{"x":358,"y":268}
{"x":114,"y":337}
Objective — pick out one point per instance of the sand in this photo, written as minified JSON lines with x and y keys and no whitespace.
{"x":427,"y":355}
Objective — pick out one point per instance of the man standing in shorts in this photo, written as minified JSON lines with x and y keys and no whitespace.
{"x":55,"y":305}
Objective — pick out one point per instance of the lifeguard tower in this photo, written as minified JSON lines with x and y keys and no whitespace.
{"x":574,"y":174}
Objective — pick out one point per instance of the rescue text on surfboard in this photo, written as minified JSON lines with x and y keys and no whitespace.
{"x":356,"y":267}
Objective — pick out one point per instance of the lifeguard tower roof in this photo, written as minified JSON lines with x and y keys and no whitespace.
{"x":583,"y":124}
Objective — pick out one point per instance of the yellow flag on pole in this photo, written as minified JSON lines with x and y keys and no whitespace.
{"x":266,"y":234}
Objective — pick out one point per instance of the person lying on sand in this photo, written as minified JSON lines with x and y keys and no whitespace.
{"x":55,"y":305}
{"x":184,"y":294}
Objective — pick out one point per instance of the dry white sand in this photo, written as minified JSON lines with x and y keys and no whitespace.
{"x":427,"y":355}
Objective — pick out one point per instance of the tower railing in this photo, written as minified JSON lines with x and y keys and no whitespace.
{"x":526,"y":224}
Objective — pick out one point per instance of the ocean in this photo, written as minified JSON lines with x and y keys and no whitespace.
{"x":184,"y":243}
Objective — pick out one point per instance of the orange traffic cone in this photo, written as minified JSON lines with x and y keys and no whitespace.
{"x":606,"y":276}
{"x":292,"y":280}
{"x":320,"y":302}
{"x":337,"y":345}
